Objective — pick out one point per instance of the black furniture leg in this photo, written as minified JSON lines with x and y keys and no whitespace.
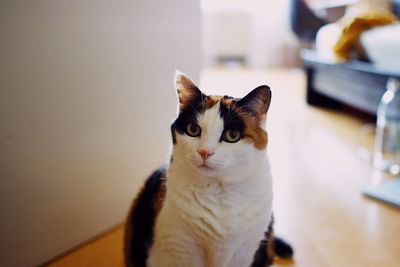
{"x":313,"y":98}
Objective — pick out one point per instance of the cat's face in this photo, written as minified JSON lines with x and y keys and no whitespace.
{"x":216,"y":136}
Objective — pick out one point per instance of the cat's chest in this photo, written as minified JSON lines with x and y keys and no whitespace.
{"x":209,"y":233}
{"x":232,"y":238}
{"x":220,"y":218}
{"x":217,"y":230}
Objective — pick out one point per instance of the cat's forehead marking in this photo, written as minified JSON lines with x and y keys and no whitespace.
{"x":211,"y":122}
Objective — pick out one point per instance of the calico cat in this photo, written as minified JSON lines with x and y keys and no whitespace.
{"x":212,"y":206}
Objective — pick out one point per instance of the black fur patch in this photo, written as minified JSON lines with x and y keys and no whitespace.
{"x":269,"y":247}
{"x":141,"y":221}
{"x":187,"y":114}
{"x":262,"y":257}
{"x":257,"y":101}
{"x":173,"y":133}
{"x":231,"y":119}
{"x":282,"y":249}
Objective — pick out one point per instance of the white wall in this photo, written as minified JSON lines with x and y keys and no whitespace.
{"x":86,"y":100}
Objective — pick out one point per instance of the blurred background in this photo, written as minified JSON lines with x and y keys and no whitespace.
{"x":87,"y":98}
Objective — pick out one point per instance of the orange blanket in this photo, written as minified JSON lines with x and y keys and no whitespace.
{"x":352,"y":27}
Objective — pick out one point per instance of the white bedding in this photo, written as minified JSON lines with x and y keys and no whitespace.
{"x":381,"y":44}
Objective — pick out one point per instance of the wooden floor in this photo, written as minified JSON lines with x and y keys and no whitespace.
{"x":318,"y":180}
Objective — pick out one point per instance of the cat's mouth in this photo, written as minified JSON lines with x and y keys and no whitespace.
{"x":205,"y":167}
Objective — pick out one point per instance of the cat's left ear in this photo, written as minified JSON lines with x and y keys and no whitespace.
{"x":187,"y":90}
{"x":257,"y":101}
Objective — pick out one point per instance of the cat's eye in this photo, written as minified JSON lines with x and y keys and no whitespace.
{"x":193,"y":130}
{"x":231,"y":136}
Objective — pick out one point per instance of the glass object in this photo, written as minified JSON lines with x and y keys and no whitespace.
{"x":387,"y":137}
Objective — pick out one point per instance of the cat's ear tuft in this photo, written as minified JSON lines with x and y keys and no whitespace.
{"x":186,"y":89}
{"x":257,"y":101}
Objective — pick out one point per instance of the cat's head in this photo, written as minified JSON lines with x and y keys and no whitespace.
{"x":218,"y":135}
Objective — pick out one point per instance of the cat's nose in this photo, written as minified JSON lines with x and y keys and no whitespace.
{"x":205,"y":153}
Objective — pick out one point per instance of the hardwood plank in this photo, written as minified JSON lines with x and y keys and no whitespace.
{"x":103,"y":252}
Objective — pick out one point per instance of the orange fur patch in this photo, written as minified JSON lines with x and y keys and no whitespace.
{"x":210,"y":101}
{"x":256,"y":134}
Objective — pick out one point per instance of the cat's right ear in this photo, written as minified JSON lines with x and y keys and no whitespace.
{"x":187,"y":90}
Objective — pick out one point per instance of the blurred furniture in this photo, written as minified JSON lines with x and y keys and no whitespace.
{"x":356,"y":83}
{"x":226,"y":36}
{"x":303,"y":21}
{"x":238,"y":32}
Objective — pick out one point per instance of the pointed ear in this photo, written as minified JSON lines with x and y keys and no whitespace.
{"x":257,"y":101}
{"x":187,"y":90}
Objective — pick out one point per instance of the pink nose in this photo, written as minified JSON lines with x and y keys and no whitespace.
{"x":205,"y":154}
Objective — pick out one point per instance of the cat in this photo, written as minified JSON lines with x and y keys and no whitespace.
{"x":212,"y":206}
